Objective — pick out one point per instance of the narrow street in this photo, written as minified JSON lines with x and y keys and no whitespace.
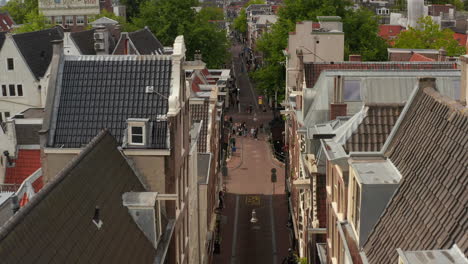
{"x":249,"y":186}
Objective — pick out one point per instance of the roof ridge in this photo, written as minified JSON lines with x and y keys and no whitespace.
{"x":447,"y":101}
{"x":35,"y":200}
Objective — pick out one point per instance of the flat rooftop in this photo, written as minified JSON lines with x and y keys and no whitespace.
{"x":375,"y":171}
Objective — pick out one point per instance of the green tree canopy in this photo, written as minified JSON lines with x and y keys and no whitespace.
{"x":360,"y":27}
{"x":361,"y":36}
{"x":428,"y":35}
{"x":19,"y":9}
{"x":34,"y":21}
{"x":168,"y":19}
{"x":240,"y":23}
{"x":211,"y":13}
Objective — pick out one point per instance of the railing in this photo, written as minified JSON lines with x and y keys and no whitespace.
{"x":6,"y":187}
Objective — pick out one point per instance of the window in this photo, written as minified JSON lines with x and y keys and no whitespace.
{"x":456,"y":89}
{"x":69,"y":20}
{"x":356,"y":204}
{"x":58,"y":20}
{"x":19,"y":88}
{"x":7,"y":115}
{"x":12,"y":89}
{"x":137,"y":135}
{"x":137,"y":131}
{"x":80,"y":20}
{"x":4,"y":91}
{"x":10,"y":64}
{"x":352,"y":90}
{"x":57,"y":1}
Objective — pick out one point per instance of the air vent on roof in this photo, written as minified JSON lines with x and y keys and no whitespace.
{"x":150,"y":89}
{"x":98,"y":36}
{"x":96,"y":218}
{"x":99,"y":46}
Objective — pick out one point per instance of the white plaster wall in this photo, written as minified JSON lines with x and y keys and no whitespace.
{"x":20,"y":75}
{"x":69,"y":7}
{"x":194,"y":249}
{"x":69,"y":47}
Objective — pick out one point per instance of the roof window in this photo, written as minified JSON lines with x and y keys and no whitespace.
{"x":137,"y":131}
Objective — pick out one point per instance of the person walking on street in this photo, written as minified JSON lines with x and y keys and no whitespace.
{"x":252,"y":131}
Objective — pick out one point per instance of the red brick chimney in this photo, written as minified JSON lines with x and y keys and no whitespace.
{"x":355,"y":57}
{"x":337,"y":107}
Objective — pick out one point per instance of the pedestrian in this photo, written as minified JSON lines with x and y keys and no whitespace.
{"x":246,"y":131}
{"x":250,"y":108}
{"x":230,"y":119}
{"x":252,"y":132}
{"x":256,"y":134}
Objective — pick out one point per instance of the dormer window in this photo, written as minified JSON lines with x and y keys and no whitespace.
{"x":137,"y":131}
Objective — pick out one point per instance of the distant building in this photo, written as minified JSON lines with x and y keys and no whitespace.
{"x":6,"y":22}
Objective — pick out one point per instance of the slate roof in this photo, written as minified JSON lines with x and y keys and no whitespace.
{"x":98,"y":92}
{"x":36,"y":48}
{"x":201,"y":112}
{"x":56,"y":225}
{"x":312,"y":70}
{"x":374,"y":129}
{"x":84,"y":40}
{"x":429,"y":209}
{"x":2,"y":39}
{"x":145,"y":42}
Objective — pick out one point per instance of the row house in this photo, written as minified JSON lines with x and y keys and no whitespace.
{"x":256,"y":27}
{"x":96,"y":209}
{"x":339,"y":90}
{"x":20,"y":163}
{"x":144,"y":103}
{"x":206,"y":110}
{"x":24,"y":70}
{"x":76,"y":15}
{"x":425,"y":219}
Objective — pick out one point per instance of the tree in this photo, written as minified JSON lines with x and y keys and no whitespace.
{"x":428,"y":35}
{"x":34,"y":21}
{"x":361,"y":36}
{"x":240,"y":23}
{"x":168,"y":19}
{"x":18,"y":9}
{"x":211,"y":13}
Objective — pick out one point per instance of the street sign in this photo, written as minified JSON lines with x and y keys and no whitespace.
{"x":260,"y":100}
{"x":273,"y":175}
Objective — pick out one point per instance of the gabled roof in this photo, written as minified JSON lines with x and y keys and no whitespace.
{"x":36,"y":48}
{"x":104,"y":21}
{"x":145,"y":42}
{"x":312,"y":70}
{"x":389,"y":32}
{"x":98,"y":92}
{"x":141,"y":42}
{"x":27,"y":162}
{"x":375,"y":127}
{"x":428,"y":210}
{"x":6,"y":22}
{"x":84,"y":41}
{"x":56,"y":226}
{"x":461,"y":38}
{"x":420,"y":57}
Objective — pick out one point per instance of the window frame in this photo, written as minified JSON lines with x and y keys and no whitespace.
{"x":137,"y":122}
{"x":19,"y":87}
{"x":80,"y":21}
{"x":4,"y":90}
{"x":352,"y":81}
{"x":11,"y":87}
{"x":60,"y":18}
{"x":12,"y":64}
{"x":67,"y":21}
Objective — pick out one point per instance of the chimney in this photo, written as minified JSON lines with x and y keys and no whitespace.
{"x":144,"y":209}
{"x":442,"y":56}
{"x":101,"y":40}
{"x":337,"y":107}
{"x":355,"y":57}
{"x":464,"y":80}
